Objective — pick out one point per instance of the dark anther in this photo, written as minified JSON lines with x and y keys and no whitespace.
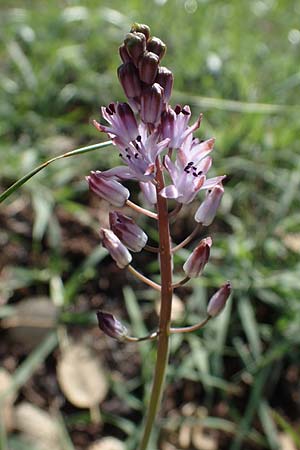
{"x":177,"y":109}
{"x":112,"y":108}
{"x":200,"y":172}
{"x":139,"y":138}
{"x":136,"y":155}
{"x":185,"y":112}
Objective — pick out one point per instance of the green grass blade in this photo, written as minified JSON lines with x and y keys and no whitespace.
{"x":79,"y":151}
{"x":31,"y":363}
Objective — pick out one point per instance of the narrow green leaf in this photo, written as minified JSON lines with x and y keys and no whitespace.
{"x":14,"y":187}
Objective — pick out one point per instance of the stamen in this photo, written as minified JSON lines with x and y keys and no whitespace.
{"x":139,"y":138}
{"x":177,"y":109}
{"x":185,"y":112}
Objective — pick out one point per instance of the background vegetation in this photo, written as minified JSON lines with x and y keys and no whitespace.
{"x":236,"y":384}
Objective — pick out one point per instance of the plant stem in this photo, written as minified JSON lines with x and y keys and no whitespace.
{"x":165,"y":309}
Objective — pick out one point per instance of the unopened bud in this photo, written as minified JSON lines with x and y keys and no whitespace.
{"x":108,"y":189}
{"x":111,"y":326}
{"x":135,"y":45}
{"x":149,"y":191}
{"x":141,"y":28}
{"x":148,"y":65}
{"x":208,"y":208}
{"x":129,"y":233}
{"x":124,"y":55}
{"x":116,"y":249}
{"x":165,"y":78}
{"x":218,"y":301}
{"x":157,"y":46}
{"x":152,"y":104}
{"x":129,"y":79}
{"x":194,"y":265}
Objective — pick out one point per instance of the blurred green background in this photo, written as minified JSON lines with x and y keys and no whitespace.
{"x":236,"y":61}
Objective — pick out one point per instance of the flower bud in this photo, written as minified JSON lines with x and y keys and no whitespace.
{"x":208,"y":208}
{"x":141,"y":28}
{"x":129,"y":79}
{"x":135,"y":45}
{"x":149,"y":191}
{"x":155,"y":45}
{"x":124,"y":55}
{"x":194,"y":265}
{"x":148,"y":65}
{"x":165,"y":78}
{"x":152,"y":104}
{"x":116,"y":249}
{"x":129,"y":233}
{"x":218,"y":301}
{"x":107,"y":188}
{"x":111,"y":326}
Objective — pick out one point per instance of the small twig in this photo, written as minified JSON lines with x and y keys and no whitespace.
{"x":191,"y":328}
{"x":173,"y":214}
{"x":151,"y":249}
{"x":139,"y":209}
{"x":144,"y":279}
{"x":188,"y":239}
{"x":180,"y":283}
{"x":149,"y":337}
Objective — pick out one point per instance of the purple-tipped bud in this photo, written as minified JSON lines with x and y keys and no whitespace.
{"x":165,"y":78}
{"x":124,"y":55}
{"x":116,"y":249}
{"x":194,"y":265}
{"x":208,"y":208}
{"x":148,"y":65}
{"x":141,"y":28}
{"x":129,"y":79}
{"x":155,"y":45}
{"x":135,"y":45}
{"x":152,"y":104}
{"x":129,"y":233}
{"x":218,"y":301}
{"x":107,"y":188}
{"x":149,"y":191}
{"x":111,"y":326}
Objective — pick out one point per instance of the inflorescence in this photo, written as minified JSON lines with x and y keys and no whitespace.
{"x":151,"y":137}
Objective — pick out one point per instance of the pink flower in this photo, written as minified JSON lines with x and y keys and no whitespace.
{"x":174,"y":125}
{"x":188,"y":180}
{"x":122,"y":122}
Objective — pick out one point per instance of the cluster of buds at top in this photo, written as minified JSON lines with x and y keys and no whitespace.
{"x":147,"y":84}
{"x":155,"y":142}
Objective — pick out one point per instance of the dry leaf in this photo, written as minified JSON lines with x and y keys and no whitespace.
{"x":202,"y":441}
{"x":292,"y":241}
{"x":178,"y":308}
{"x":286,"y":442}
{"x":37,"y":427}
{"x":6,"y":405}
{"x":81,"y":377}
{"x":107,"y":443}
{"x":32,"y":320}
